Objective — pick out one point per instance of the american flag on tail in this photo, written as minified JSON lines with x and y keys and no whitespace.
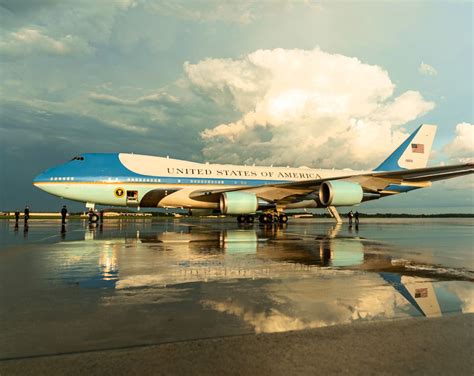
{"x":421,"y":293}
{"x":418,"y":148}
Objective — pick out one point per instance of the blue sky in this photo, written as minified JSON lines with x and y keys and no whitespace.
{"x":322,"y":84}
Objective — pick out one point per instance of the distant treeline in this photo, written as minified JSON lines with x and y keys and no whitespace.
{"x":172,"y":213}
{"x":402,"y":215}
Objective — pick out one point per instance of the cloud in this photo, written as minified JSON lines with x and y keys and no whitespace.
{"x":151,"y":99}
{"x":89,"y":21}
{"x":303,"y":107}
{"x":427,"y":70}
{"x":461,"y":148}
{"x":240,"y":12}
{"x":30,"y":41}
{"x":235,"y":11}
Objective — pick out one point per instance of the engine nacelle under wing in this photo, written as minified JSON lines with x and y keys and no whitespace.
{"x":340,"y":193}
{"x":238,"y":203}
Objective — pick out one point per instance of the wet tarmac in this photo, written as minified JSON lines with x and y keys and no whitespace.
{"x":81,"y":287}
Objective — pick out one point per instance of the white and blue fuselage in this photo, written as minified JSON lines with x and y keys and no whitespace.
{"x":122,"y":179}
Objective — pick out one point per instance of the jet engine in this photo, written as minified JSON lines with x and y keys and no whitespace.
{"x":238,"y":203}
{"x":340,"y":193}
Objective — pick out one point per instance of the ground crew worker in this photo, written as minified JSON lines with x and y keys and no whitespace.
{"x":63,"y":214}
{"x":17,"y":216}
{"x":356,"y":216}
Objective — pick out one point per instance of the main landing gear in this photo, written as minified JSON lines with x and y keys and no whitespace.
{"x":245,"y":218}
{"x":264,"y":218}
{"x":273,"y":218}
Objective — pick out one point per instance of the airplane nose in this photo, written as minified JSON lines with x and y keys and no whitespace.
{"x":41,"y":178}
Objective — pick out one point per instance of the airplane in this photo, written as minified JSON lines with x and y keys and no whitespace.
{"x":143,"y":181}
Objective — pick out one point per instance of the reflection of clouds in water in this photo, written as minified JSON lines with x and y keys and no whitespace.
{"x":304,"y":304}
{"x":268,"y":321}
{"x":465,"y":292}
{"x":383,"y":303}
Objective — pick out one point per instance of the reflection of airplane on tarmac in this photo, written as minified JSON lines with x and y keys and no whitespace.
{"x":147,"y":181}
{"x":271,"y":244}
{"x":420,"y":293}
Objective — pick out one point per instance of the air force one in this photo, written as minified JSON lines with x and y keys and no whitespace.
{"x":122,"y":179}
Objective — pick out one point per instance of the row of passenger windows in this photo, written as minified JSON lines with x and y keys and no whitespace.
{"x":144,"y":180}
{"x":205,"y":181}
{"x":149,"y":180}
{"x":61,"y":178}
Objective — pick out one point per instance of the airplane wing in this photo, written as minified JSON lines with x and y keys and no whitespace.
{"x":372,"y":182}
{"x":431,"y":173}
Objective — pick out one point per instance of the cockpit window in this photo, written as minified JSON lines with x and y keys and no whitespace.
{"x":79,"y":158}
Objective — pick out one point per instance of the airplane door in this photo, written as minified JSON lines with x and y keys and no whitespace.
{"x":132,"y":198}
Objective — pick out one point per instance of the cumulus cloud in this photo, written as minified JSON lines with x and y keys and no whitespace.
{"x":28,"y":41}
{"x":461,"y":148}
{"x":151,"y":99}
{"x":268,"y":321}
{"x":303,"y":107}
{"x":427,"y":70}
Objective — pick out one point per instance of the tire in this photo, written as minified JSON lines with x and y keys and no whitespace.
{"x":269,"y":217}
{"x":283,"y":218}
{"x":94,"y":218}
{"x":249,"y":219}
{"x":262,"y":218}
{"x":240,"y":218}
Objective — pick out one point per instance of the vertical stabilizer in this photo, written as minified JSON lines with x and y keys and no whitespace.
{"x":413,"y":152}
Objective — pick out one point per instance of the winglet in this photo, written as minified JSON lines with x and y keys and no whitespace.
{"x":413,"y":152}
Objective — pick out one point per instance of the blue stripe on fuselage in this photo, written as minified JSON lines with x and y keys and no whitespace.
{"x":107,"y":167}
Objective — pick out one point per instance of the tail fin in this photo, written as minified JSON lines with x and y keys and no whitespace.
{"x":413,"y":152}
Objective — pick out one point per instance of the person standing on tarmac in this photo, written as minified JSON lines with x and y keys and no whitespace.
{"x":63,"y":214}
{"x":356,"y":216}
{"x":27,"y":214}
{"x":350,"y":215}
{"x":17,"y":216}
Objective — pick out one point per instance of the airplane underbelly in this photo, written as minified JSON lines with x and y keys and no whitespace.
{"x":181,"y":199}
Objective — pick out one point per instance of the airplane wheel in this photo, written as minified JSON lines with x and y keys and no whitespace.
{"x":94,"y":218}
{"x":283,"y":218}
{"x":249,"y":218}
{"x":269,"y":218}
{"x":262,"y":218}
{"x":240,"y":218}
